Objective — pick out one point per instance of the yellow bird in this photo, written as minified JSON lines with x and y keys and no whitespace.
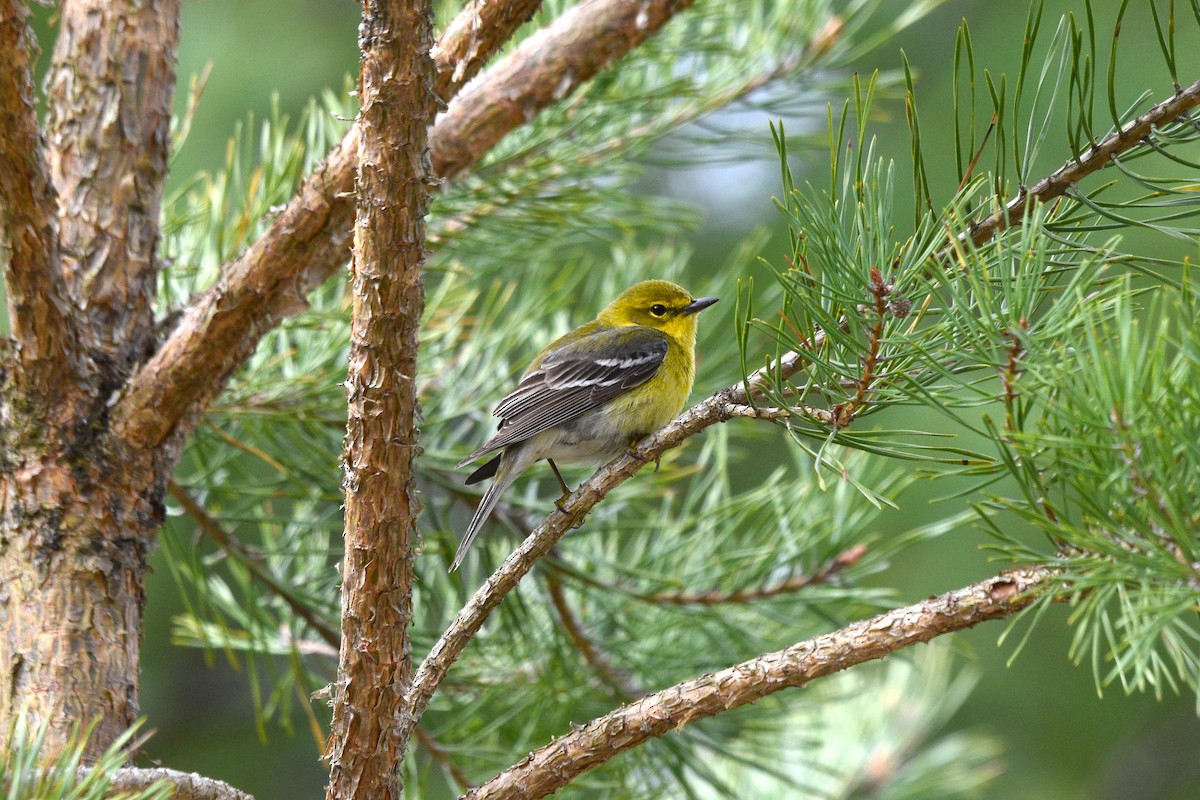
{"x":590,"y":395}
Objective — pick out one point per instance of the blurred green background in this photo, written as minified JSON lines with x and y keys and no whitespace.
{"x":1061,"y":739}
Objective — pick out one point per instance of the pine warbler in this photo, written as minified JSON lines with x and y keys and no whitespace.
{"x":591,"y":394}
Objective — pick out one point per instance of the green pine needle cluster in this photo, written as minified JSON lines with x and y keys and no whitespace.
{"x":1063,"y":347}
{"x":26,"y":773}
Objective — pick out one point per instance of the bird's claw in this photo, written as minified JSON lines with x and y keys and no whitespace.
{"x":632,"y":451}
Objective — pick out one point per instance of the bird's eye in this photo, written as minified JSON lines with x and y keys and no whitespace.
{"x":658,"y":309}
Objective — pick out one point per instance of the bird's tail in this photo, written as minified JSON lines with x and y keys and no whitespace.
{"x":511,"y":465}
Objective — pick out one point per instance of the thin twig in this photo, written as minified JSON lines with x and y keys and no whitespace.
{"x":211,"y":526}
{"x":439,"y":754}
{"x":615,"y":677}
{"x":599,"y":741}
{"x":842,"y":561}
{"x":844,"y":413}
{"x":1094,"y":158}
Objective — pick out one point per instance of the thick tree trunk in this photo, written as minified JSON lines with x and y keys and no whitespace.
{"x":75,"y":528}
{"x":79,"y":508}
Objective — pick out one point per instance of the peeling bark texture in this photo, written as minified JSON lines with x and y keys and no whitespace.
{"x":545,"y":68}
{"x":39,"y":304}
{"x":111,"y":84}
{"x":473,"y":37}
{"x":307,"y":243}
{"x":75,"y":529}
{"x":588,"y":746}
{"x":78,"y":508}
{"x":374,"y":670}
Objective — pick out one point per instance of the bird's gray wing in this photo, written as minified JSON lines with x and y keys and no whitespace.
{"x":576,"y":378}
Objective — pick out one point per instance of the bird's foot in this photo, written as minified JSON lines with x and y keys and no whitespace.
{"x":632,"y":451}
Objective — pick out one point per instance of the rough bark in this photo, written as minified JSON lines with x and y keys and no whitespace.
{"x":77,"y":516}
{"x":381,"y":434}
{"x":111,"y":85}
{"x":473,"y":37}
{"x":39,"y":303}
{"x":78,"y":508}
{"x":588,"y":746}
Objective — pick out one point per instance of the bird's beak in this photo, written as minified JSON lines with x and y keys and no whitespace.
{"x":699,"y":304}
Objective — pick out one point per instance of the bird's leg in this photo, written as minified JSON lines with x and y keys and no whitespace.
{"x":633,"y":452}
{"x":565,"y":489}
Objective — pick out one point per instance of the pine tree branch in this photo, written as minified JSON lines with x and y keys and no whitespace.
{"x":721,"y":407}
{"x":303,"y":247}
{"x":545,"y":68}
{"x":184,"y":785}
{"x":40,"y":306}
{"x":842,"y":561}
{"x":599,"y":741}
{"x":381,"y":506}
{"x":473,"y":37}
{"x":307,"y":242}
{"x":1096,"y":157}
{"x":111,"y":86}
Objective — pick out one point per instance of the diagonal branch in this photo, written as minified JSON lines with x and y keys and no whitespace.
{"x":617,"y":678}
{"x":439,"y":754}
{"x":111,"y":86}
{"x":547,"y":67}
{"x":1096,"y":157}
{"x":307,"y":242}
{"x":599,"y":741}
{"x":473,"y":37}
{"x":209,"y":525}
{"x":40,"y":306}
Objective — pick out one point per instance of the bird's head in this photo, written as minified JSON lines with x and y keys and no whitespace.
{"x":657,"y":304}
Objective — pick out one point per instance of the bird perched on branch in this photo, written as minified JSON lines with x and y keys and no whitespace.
{"x":590,"y":395}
